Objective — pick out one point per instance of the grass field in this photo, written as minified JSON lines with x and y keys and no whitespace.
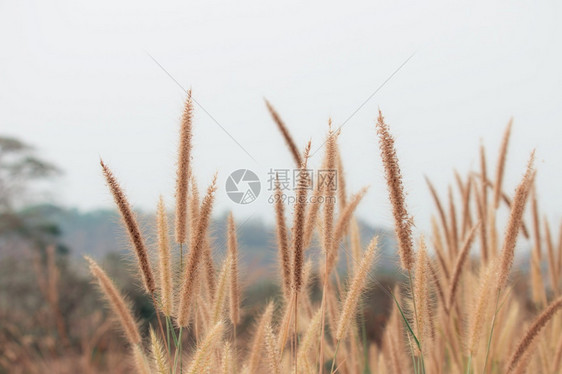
{"x":458,"y":305}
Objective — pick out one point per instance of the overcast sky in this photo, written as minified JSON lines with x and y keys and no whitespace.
{"x":77,"y":81}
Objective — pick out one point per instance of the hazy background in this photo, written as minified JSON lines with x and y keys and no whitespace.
{"x":76,"y":80}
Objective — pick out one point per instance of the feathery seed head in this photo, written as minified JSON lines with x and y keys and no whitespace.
{"x":298,"y":222}
{"x":532,"y":332}
{"x":357,"y":284}
{"x":501,"y":164}
{"x":282,"y":241}
{"x":195,"y":255}
{"x":182,"y":174}
{"x":514,"y":223}
{"x":285,"y":132}
{"x":164,"y":259}
{"x":402,"y":221}
{"x":234,"y":288}
{"x":117,"y":303}
{"x":130,"y":222}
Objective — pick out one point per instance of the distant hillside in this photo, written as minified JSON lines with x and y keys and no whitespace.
{"x":99,"y":233}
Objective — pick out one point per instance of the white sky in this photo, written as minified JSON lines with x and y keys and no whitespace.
{"x":76,"y":81}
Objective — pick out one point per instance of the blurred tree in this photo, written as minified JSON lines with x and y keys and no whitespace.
{"x":28,"y":235}
{"x":18,"y":167}
{"x":20,"y":171}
